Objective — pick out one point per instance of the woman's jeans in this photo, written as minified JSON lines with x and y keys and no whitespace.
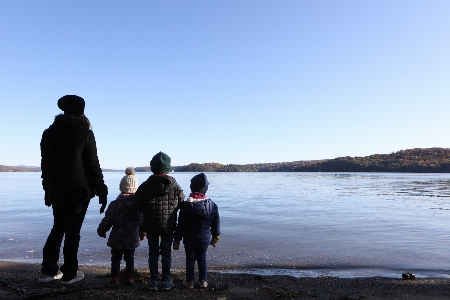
{"x":116,"y":257}
{"x":154,"y":249}
{"x":66,"y":224}
{"x":192,"y":255}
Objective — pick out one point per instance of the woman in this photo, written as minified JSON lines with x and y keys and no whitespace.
{"x":71,"y":176}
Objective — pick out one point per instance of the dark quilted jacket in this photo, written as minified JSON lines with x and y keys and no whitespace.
{"x":158,"y":198}
{"x":197,"y":221}
{"x":125,"y":222}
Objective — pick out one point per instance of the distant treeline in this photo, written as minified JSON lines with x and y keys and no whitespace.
{"x":36,"y":169}
{"x":18,"y":169}
{"x":418,"y":160}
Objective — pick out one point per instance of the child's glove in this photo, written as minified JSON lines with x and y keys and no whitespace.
{"x":176,"y":245}
{"x":103,"y":235}
{"x":215,"y":240}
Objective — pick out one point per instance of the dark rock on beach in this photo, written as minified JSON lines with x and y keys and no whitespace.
{"x":19,"y":281}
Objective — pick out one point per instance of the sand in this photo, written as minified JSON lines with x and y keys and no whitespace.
{"x":19,"y":281}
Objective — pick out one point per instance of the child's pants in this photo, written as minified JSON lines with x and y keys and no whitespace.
{"x":192,"y":255}
{"x":154,"y":249}
{"x":116,"y":257}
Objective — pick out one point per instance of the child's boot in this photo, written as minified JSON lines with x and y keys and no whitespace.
{"x":114,"y":279}
{"x":129,"y":279}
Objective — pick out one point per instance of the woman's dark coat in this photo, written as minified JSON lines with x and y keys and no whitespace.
{"x":158,"y":198}
{"x":197,"y":221}
{"x":70,"y":167}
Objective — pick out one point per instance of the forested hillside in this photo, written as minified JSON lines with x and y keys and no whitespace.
{"x":418,"y":160}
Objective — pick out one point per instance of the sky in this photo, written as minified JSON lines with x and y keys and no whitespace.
{"x":227,"y":81}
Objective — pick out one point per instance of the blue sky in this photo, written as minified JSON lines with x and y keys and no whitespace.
{"x":228,"y":81}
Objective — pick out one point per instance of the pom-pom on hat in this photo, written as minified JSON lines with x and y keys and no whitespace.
{"x":130,"y":171}
{"x":199,"y":183}
{"x":72,"y":105}
{"x":129,"y":182}
{"x":160,"y":163}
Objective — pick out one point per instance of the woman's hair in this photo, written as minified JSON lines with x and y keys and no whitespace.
{"x":84,"y":118}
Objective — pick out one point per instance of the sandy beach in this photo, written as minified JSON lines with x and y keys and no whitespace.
{"x":19,"y":281}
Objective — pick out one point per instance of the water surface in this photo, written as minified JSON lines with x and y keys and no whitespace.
{"x":344,"y":224}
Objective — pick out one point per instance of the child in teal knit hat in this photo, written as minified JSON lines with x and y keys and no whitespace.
{"x":158,"y":197}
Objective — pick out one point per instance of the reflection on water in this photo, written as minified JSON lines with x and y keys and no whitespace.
{"x":338,"y":222}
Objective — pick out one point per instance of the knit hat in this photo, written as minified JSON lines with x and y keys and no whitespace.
{"x":160,"y":163}
{"x":199,"y":183}
{"x":72,"y":105}
{"x":129,"y":183}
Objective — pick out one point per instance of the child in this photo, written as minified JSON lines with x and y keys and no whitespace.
{"x":199,"y":218}
{"x":125,"y":234}
{"x":158,"y":197}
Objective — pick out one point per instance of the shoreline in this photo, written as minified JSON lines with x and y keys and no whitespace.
{"x":311,"y":270}
{"x":19,"y":281}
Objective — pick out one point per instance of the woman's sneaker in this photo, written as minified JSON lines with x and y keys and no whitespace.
{"x":78,"y":277}
{"x":188,"y":284}
{"x":203,"y":284}
{"x":152,"y":285}
{"x":166,"y":285}
{"x":47,"y":278}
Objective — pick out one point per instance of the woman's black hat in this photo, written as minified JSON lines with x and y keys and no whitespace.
{"x":72,"y":105}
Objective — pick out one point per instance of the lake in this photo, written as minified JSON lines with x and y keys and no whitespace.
{"x":301,"y":224}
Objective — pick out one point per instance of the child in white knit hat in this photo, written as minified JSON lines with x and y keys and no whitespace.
{"x":125,"y":222}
